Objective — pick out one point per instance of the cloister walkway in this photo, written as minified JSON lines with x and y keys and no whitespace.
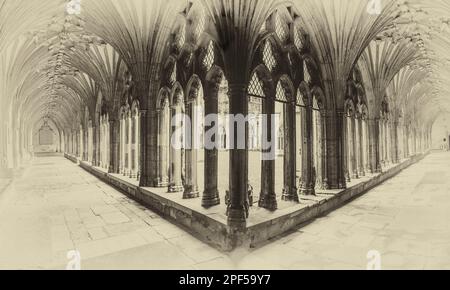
{"x":55,"y":207}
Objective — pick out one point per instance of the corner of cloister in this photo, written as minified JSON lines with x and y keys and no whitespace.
{"x":347,"y":97}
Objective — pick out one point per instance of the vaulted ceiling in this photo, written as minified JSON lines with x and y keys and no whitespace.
{"x":54,"y":61}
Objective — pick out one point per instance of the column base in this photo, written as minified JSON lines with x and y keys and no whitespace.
{"x":325,"y":185}
{"x":210,"y":199}
{"x":190,"y":194}
{"x":307,"y":191}
{"x":268,"y":201}
{"x":290,"y":195}
{"x":161,"y":183}
{"x":237,"y":217}
{"x":176,"y":188}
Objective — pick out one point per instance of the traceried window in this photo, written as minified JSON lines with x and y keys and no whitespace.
{"x":307,"y":76}
{"x":263,"y":27}
{"x":300,"y":101}
{"x":298,"y":39}
{"x":280,"y":28}
{"x":208,"y":61}
{"x":256,"y":88}
{"x":181,"y":37}
{"x":316,"y":104}
{"x":268,"y":58}
{"x":281,"y":93}
{"x":200,"y":27}
{"x":173,"y":76}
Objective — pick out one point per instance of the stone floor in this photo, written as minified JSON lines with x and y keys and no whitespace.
{"x":4,"y":183}
{"x":56,"y":207}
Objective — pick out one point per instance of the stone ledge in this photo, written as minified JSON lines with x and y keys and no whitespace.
{"x":210,"y":225}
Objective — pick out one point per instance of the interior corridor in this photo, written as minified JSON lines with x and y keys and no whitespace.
{"x":56,"y":207}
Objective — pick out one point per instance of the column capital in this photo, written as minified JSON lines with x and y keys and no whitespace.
{"x":237,"y":86}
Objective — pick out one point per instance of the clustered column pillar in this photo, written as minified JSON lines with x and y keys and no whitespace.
{"x":96,"y":145}
{"x":395,"y":148}
{"x":374,"y":145}
{"x":144,"y":170}
{"x":268,"y":198}
{"x":290,"y":159}
{"x":238,"y":205}
{"x":114,"y":146}
{"x":307,"y":186}
{"x":211,"y":192}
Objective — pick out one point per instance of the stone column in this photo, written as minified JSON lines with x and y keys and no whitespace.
{"x":268,"y":197}
{"x":191,"y":152}
{"x":396,"y":143}
{"x":238,"y":206}
{"x":211,"y":192}
{"x":176,"y":183}
{"x":96,"y":145}
{"x":148,"y":145}
{"x":374,"y":145}
{"x":114,"y":137}
{"x":307,"y":186}
{"x":290,"y":159}
{"x":406,"y":137}
{"x":387,"y":126}
{"x":367,"y":146}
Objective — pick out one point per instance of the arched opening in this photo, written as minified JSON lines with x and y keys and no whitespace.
{"x":90,"y":142}
{"x":46,"y":138}
{"x":317,"y":142}
{"x":177,"y":145}
{"x":300,"y":121}
{"x":224,"y":153}
{"x":104,"y":141}
{"x":135,"y":139}
{"x":164,"y":118}
{"x":194,"y":141}
{"x":351,"y":168}
{"x":125,"y":154}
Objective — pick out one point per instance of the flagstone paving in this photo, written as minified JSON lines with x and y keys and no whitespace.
{"x":55,"y":207}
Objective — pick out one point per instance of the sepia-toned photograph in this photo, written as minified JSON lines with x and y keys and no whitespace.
{"x":235,"y":135}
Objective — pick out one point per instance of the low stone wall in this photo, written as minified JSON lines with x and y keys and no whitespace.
{"x":214,"y":231}
{"x":264,"y":231}
{"x":71,"y":158}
